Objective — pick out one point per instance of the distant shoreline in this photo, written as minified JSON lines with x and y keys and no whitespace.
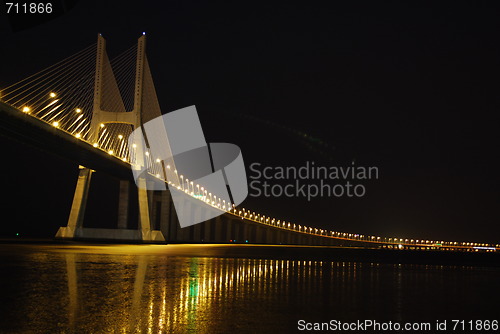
{"x":253,"y":251}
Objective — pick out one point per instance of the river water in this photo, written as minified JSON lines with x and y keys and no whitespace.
{"x":78,"y":288}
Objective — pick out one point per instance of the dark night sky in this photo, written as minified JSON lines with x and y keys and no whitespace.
{"x":410,"y":88}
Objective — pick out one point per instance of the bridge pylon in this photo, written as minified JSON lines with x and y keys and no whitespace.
{"x":108,"y":107}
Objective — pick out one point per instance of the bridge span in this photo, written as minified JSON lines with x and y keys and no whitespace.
{"x":84,"y":132}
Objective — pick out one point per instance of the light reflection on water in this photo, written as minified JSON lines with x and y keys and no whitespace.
{"x":72,"y":290}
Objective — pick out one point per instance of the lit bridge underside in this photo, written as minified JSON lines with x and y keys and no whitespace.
{"x":53,"y":110}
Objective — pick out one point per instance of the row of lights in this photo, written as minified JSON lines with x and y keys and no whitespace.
{"x":56,"y":124}
{"x":242,"y":213}
{"x":27,"y":109}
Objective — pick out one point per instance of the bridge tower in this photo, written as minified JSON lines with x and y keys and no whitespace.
{"x":108,"y":107}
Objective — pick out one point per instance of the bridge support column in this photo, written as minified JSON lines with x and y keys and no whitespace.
{"x":246,"y":232}
{"x":288,"y":238}
{"x":152,"y":209}
{"x":258,"y":235}
{"x":77,"y":212}
{"x":236,"y":230}
{"x":206,"y":231}
{"x":218,"y":229}
{"x":179,"y":231}
{"x":144,"y":218}
{"x":165,"y":214}
{"x":174,"y":224}
{"x":183,"y":232}
{"x":197,"y":228}
{"x":123,"y":204}
{"x":197,"y":233}
{"x":145,"y":230}
{"x":229,"y":232}
{"x":263,"y":235}
{"x":269,"y":236}
{"x":252,"y":233}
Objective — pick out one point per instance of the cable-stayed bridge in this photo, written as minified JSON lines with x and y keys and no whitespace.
{"x":86,"y":106}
